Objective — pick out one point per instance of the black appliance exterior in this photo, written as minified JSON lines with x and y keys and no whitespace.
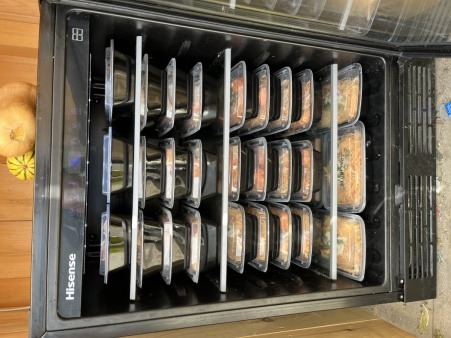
{"x":403,"y":281}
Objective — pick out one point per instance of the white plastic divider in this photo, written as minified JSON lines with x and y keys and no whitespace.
{"x":333,"y":171}
{"x":225,"y":173}
{"x":136,"y":148}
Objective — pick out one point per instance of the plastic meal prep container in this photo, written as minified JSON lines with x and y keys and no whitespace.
{"x":349,"y":98}
{"x":351,"y":169}
{"x":351,"y":243}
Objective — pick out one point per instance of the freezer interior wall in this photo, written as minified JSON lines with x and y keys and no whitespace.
{"x":162,"y":42}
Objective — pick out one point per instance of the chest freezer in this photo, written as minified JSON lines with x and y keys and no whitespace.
{"x":211,"y":161}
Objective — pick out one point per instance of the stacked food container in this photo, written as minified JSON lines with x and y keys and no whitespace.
{"x":287,"y":150}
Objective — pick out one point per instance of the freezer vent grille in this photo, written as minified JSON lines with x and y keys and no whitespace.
{"x":419,"y":110}
{"x":418,"y":245}
{"x":420,"y":220}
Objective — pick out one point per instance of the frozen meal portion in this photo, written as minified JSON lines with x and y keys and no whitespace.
{"x":303,"y":94}
{"x":192,"y":120}
{"x":233,"y":169}
{"x":259,"y":213}
{"x":279,"y":171}
{"x":281,"y":232}
{"x":195,"y":185}
{"x":351,"y":244}
{"x":302,"y":235}
{"x":303,"y":169}
{"x":238,"y":95}
{"x":351,"y":171}
{"x":349,"y":97}
{"x":236,"y":233}
{"x":193,"y":219}
{"x":280,"y":102}
{"x":257,"y":110}
{"x":254,"y":169}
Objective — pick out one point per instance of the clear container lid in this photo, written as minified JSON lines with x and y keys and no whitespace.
{"x":193,"y":220}
{"x":165,"y":121}
{"x":114,"y":243}
{"x":193,"y":122}
{"x":281,"y":233}
{"x":260,"y":86}
{"x":153,"y":93}
{"x":236,"y":237}
{"x":302,"y":219}
{"x":280,"y":102}
{"x":210,"y":183}
{"x":180,"y":246}
{"x":196,"y":159}
{"x":307,"y":171}
{"x":151,"y":178}
{"x":209,"y":246}
{"x":149,"y":248}
{"x":260,"y":242}
{"x":183,"y":173}
{"x":351,"y":244}
{"x":119,"y":80}
{"x":254,"y":171}
{"x":117,"y":165}
{"x":234,"y":168}
{"x":317,"y":200}
{"x":349,"y":98}
{"x":278,"y":186}
{"x":165,"y":218}
{"x":303,"y":98}
{"x":168,"y":164}
{"x":351,"y":169}
{"x":106,"y":176}
{"x":238,"y":92}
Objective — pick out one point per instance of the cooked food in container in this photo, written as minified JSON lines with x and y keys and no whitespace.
{"x":154,"y":246}
{"x":351,"y":244}
{"x":280,"y":227}
{"x":258,"y":99}
{"x":117,"y":165}
{"x":234,"y":168}
{"x":238,"y":99}
{"x":115,"y":243}
{"x":278,"y":187}
{"x":307,"y":171}
{"x":158,"y":172}
{"x":257,"y":235}
{"x":202,"y":107}
{"x":303,"y":103}
{"x":236,"y":237}
{"x":302,"y":228}
{"x":119,"y":81}
{"x":351,"y":169}
{"x":254,"y":157}
{"x":192,"y":219}
{"x":349,"y":98}
{"x":281,"y":101}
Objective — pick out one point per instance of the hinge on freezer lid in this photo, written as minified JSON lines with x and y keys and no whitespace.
{"x":416,"y":192}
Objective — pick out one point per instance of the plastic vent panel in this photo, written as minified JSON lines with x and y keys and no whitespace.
{"x":418,"y":172}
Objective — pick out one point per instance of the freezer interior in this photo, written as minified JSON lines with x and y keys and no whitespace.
{"x":189,"y":45}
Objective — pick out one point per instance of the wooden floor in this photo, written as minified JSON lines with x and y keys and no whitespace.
{"x":19,"y":25}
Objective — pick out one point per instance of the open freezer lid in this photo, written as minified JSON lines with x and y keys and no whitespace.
{"x":397,"y":24}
